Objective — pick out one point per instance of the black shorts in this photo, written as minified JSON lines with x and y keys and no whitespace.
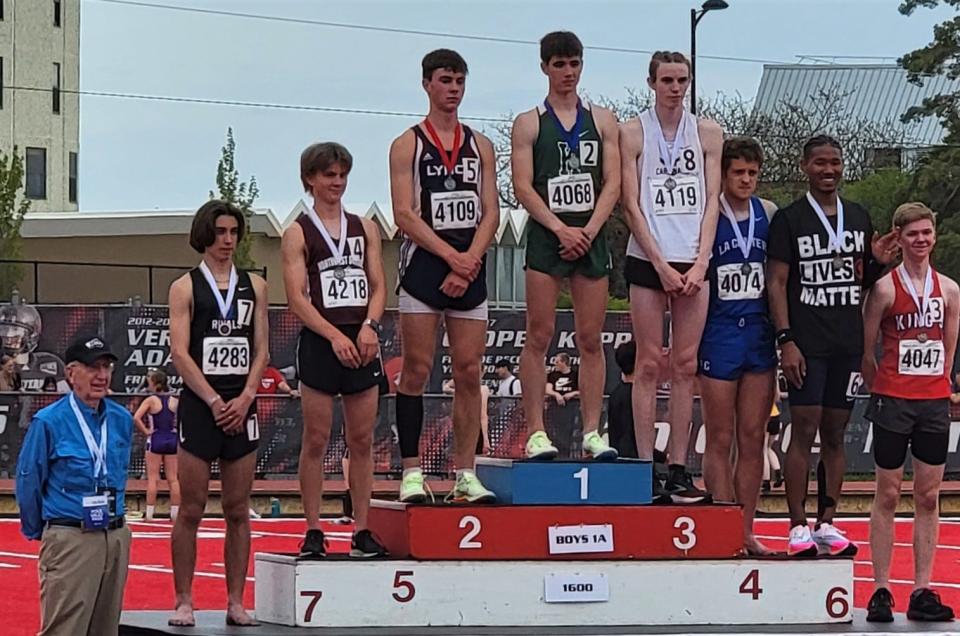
{"x":200,"y":435}
{"x":319,"y":368}
{"x":924,"y":425}
{"x":774,"y":425}
{"x":642,"y":273}
{"x":830,"y":382}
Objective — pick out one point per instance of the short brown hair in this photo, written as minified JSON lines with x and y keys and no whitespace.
{"x":203,"y":232}
{"x":560,"y":44}
{"x":746,"y":148}
{"x":447,"y":59}
{"x":159,"y":377}
{"x":913,"y":211}
{"x":318,"y":157}
{"x":666,"y":57}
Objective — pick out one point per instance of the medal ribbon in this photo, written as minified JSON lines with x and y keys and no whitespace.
{"x":97,"y":453}
{"x":922,"y":303}
{"x":341,"y":253}
{"x":668,"y":151}
{"x":224,"y":305}
{"x":570,"y":137}
{"x":745,"y":245}
{"x":449,"y":159}
{"x":833,"y":237}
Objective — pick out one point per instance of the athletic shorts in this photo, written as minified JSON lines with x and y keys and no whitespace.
{"x":924,"y":425}
{"x":642,"y":273}
{"x":407,"y":304}
{"x":319,"y":368}
{"x":832,"y":382}
{"x":163,"y":443}
{"x":730,"y":348}
{"x":543,"y":253}
{"x":200,"y":435}
{"x":774,"y":425}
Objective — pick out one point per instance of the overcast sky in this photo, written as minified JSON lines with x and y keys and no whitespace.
{"x":138,"y":155}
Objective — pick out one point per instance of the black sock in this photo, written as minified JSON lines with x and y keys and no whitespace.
{"x":409,"y":423}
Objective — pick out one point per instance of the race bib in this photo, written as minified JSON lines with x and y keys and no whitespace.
{"x":226,"y":356}
{"x":570,"y":193}
{"x":348,"y":288}
{"x":457,"y":210}
{"x":678,"y":194}
{"x":921,"y":358}
{"x":736,"y":283}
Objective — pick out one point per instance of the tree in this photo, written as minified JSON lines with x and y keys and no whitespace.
{"x":12,"y":212}
{"x":243,"y":195}
{"x":936,"y":180}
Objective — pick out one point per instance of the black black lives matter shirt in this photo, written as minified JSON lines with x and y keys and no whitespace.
{"x":823,"y":297}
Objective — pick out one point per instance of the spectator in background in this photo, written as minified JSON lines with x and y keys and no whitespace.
{"x":563,"y":383}
{"x":156,"y":417}
{"x":71,"y":480}
{"x":509,"y":384}
{"x":50,"y":385}
{"x":273,"y":382}
{"x":9,"y":378}
{"x":620,"y":431}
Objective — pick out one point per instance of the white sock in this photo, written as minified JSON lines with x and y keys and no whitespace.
{"x":410,"y":471}
{"x":463,"y":471}
{"x":150,"y":510}
{"x":174,"y":510}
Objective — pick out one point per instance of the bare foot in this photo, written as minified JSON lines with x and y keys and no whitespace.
{"x":182,"y":617}
{"x":237,"y":616}
{"x":752,"y":547}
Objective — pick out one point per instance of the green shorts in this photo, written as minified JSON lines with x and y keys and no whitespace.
{"x":543,"y":253}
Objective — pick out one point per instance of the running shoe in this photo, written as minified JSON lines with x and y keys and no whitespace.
{"x":683,"y":491}
{"x":925,"y":605}
{"x":411,"y":488}
{"x":595,"y":447}
{"x":831,"y":542}
{"x":539,"y":446}
{"x":801,"y":543}
{"x":366,"y":546}
{"x":880,"y":607}
{"x":314,"y":545}
{"x":468,"y":489}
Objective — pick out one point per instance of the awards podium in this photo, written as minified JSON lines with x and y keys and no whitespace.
{"x":570,"y":543}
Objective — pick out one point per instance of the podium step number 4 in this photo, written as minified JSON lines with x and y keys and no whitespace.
{"x":339,"y":593}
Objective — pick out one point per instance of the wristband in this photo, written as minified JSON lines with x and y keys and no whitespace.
{"x":213,"y":400}
{"x":784,"y":336}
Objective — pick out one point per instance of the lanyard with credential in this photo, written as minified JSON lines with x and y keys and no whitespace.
{"x":98,"y":453}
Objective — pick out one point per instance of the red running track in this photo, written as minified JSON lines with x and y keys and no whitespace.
{"x":150,"y":582}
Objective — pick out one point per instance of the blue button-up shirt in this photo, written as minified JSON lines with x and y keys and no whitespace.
{"x":55,"y":469}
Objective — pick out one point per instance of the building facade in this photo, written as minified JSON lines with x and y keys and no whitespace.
{"x":39,"y":108}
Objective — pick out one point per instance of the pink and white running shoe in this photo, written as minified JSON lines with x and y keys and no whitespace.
{"x":801,"y":544}
{"x":831,"y":542}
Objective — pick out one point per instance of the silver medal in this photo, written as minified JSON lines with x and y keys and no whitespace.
{"x":340,"y":272}
{"x":922,"y":336}
{"x":670,"y":183}
{"x":449,"y":183}
{"x":745,"y":269}
{"x":838,"y":261}
{"x":573,"y":162}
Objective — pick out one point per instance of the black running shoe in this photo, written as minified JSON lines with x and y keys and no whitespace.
{"x":366,"y":546}
{"x":314,"y":545}
{"x":661,"y":496}
{"x":683,"y":491}
{"x":880,"y":607}
{"x":925,"y":605}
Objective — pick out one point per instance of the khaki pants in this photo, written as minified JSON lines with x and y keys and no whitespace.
{"x":82,"y":575}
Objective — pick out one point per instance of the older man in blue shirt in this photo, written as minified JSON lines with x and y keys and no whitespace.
{"x":71,"y":479}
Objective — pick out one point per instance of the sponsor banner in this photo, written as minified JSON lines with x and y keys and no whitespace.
{"x":280,"y":434}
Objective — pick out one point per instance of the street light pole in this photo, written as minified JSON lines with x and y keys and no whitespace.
{"x":695,"y":17}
